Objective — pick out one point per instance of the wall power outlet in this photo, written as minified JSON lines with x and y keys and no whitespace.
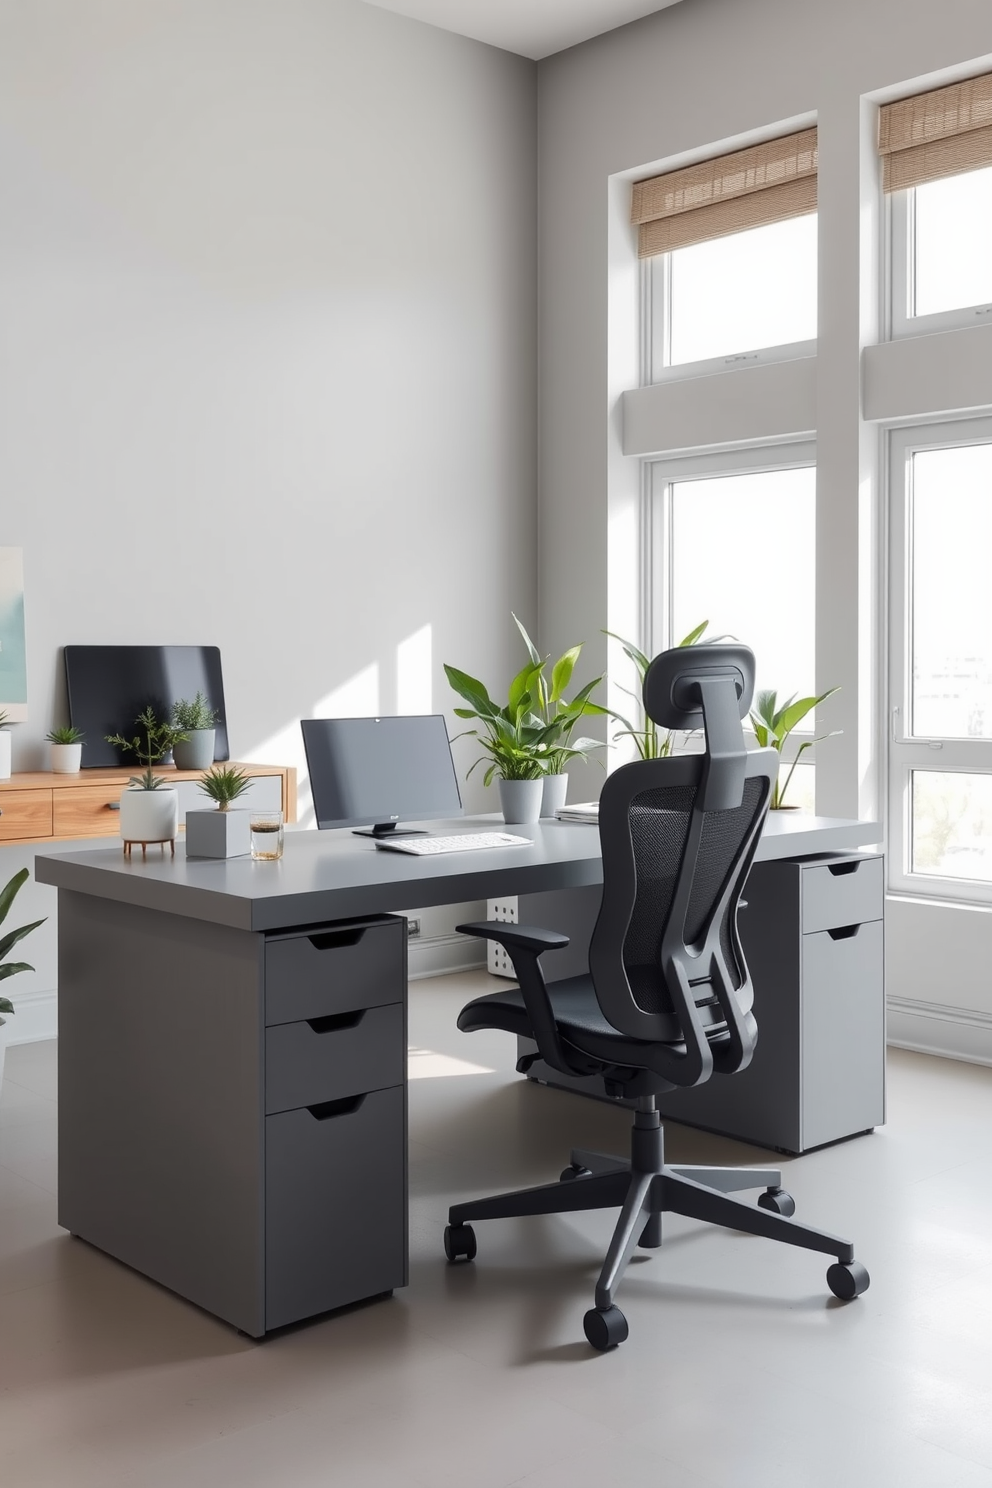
{"x":498,"y":962}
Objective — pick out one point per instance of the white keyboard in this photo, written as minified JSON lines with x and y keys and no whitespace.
{"x":467,"y":842}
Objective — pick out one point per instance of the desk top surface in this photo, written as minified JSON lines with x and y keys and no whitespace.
{"x":336,"y":875}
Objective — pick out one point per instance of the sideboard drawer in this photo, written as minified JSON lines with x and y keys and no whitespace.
{"x":336,"y":968}
{"x":88,"y":810}
{"x":25,"y":814}
{"x":327,"y":1058}
{"x":850,"y":891}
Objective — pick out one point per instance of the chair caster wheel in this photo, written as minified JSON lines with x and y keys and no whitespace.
{"x":459,"y":1242}
{"x":847,"y":1281}
{"x":605,"y":1329}
{"x":778,"y":1201}
{"x":574,"y":1170}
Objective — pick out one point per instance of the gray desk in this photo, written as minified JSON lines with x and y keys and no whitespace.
{"x":232,"y":1086}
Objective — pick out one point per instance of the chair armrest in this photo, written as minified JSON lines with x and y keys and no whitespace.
{"x":516,"y":937}
{"x":525,"y":944}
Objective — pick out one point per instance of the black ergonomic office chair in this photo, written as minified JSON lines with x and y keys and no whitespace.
{"x":667,"y":1001}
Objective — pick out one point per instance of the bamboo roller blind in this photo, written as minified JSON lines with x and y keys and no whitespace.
{"x":750,"y":188}
{"x":936,"y":134}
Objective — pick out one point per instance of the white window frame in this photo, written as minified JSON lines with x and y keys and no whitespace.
{"x":656,"y":301}
{"x":901,"y":235}
{"x":657,"y":550}
{"x":908,"y":751}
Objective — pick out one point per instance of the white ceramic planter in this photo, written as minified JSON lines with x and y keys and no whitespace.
{"x":521,"y":800}
{"x":4,"y":754}
{"x":65,"y":758}
{"x":555,"y":790}
{"x":218,"y":834}
{"x":197,"y":753}
{"x":150,"y":815}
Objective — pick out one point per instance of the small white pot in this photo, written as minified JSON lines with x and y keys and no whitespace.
{"x":555,"y":790}
{"x":4,"y":754}
{"x":197,"y":751}
{"x":521,"y":800}
{"x":218,"y":834}
{"x":65,"y":758}
{"x":150,"y":815}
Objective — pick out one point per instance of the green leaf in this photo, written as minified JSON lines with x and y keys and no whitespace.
{"x":13,"y":936}
{"x":641,"y":661}
{"x":471,"y":690}
{"x":561,"y":672}
{"x":693,"y":636}
{"x":11,"y":968}
{"x":796,"y":711}
{"x":532,"y":649}
{"x":522,"y":686}
{"x":9,"y":892}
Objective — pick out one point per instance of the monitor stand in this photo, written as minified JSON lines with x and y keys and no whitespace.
{"x":388,"y":829}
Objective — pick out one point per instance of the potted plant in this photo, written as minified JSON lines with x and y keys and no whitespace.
{"x":562,"y":717}
{"x":649,"y":741}
{"x":197,"y":720}
{"x":153,"y":741}
{"x":513,"y":739}
{"x":221,"y":832}
{"x":149,"y":807}
{"x":4,"y":748}
{"x":66,"y":751}
{"x":772,"y":726}
{"x":7,"y":942}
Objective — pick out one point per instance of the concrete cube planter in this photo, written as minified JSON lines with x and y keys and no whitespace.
{"x":218,"y":834}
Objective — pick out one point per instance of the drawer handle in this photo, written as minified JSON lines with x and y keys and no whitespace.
{"x":844,"y":932}
{"x":327,"y":1110}
{"x":334,"y":1022}
{"x":113,"y":805}
{"x":329,"y":940}
{"x":838,"y":868}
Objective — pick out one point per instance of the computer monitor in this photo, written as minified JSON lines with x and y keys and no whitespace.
{"x":380,"y":771}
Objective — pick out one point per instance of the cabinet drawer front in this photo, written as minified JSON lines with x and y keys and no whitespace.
{"x":843,"y":1034}
{"x":328,"y":1058}
{"x":335,"y":1205}
{"x":335,"y":969}
{"x":88,"y":810}
{"x":849,"y":892}
{"x":25,"y":814}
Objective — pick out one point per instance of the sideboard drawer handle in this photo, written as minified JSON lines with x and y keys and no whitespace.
{"x":113,"y":805}
{"x":326,"y":1110}
{"x":333,"y":1022}
{"x":840,"y":868}
{"x":329,"y":940}
{"x":844,"y":932}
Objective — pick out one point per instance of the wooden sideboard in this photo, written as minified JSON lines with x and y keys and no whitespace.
{"x":38,"y":806}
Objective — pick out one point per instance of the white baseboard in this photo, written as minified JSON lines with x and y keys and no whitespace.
{"x":933,"y":1028}
{"x":439,"y":955}
{"x":37,"y":1018}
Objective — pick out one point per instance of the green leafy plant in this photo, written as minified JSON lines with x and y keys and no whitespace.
{"x":154,"y":741}
{"x":147,"y":780}
{"x":558,"y":715}
{"x":7,"y":942}
{"x":513,"y":737}
{"x":773,"y":724}
{"x":194,"y":715}
{"x":649,"y":741}
{"x":65,"y":735}
{"x":3,"y":718}
{"x":224,"y":784}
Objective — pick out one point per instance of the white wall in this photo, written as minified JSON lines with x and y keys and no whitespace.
{"x":267,"y":360}
{"x":658,"y":92}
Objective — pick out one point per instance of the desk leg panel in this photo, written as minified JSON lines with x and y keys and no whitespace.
{"x":160,"y":1116}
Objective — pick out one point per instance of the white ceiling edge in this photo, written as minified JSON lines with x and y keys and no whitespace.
{"x":532,"y":28}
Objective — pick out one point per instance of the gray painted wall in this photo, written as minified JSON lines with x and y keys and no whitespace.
{"x":268,"y":354}
{"x":670,"y":87}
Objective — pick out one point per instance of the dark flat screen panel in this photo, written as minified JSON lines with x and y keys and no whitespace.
{"x":109,"y":686}
{"x":369,"y":770}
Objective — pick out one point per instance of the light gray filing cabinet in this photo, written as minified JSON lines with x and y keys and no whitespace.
{"x":812,"y":935}
{"x":233,"y":1113}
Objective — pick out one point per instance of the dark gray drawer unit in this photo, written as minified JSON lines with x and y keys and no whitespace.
{"x":335,"y":1124}
{"x":812,"y":935}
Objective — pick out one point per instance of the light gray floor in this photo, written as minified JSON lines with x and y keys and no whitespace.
{"x":740,"y":1369}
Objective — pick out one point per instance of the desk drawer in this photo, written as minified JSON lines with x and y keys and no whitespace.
{"x":88,"y":810}
{"x":843,"y":1033}
{"x":848,"y":892}
{"x":328,"y":1058}
{"x":25,"y":814}
{"x":335,"y":1205}
{"x":334,"y":969}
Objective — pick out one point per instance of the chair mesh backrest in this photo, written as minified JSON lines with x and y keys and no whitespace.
{"x":659,"y":821}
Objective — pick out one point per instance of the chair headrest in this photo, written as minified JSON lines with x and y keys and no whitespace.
{"x":672,"y":696}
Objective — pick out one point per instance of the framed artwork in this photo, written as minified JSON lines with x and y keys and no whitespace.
{"x":13,"y":656}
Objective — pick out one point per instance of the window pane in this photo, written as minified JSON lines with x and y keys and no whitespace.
{"x":952,"y":824}
{"x":743,"y":551}
{"x":953,"y":261}
{"x":951,"y":622}
{"x":743,"y":292}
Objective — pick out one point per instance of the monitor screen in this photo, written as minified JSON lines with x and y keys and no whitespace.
{"x":379,"y":771}
{"x":109,"y":686}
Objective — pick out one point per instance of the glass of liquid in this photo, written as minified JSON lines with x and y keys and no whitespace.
{"x":266,"y":835}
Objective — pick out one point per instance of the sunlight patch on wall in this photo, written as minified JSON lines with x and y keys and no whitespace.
{"x":414,"y":658}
